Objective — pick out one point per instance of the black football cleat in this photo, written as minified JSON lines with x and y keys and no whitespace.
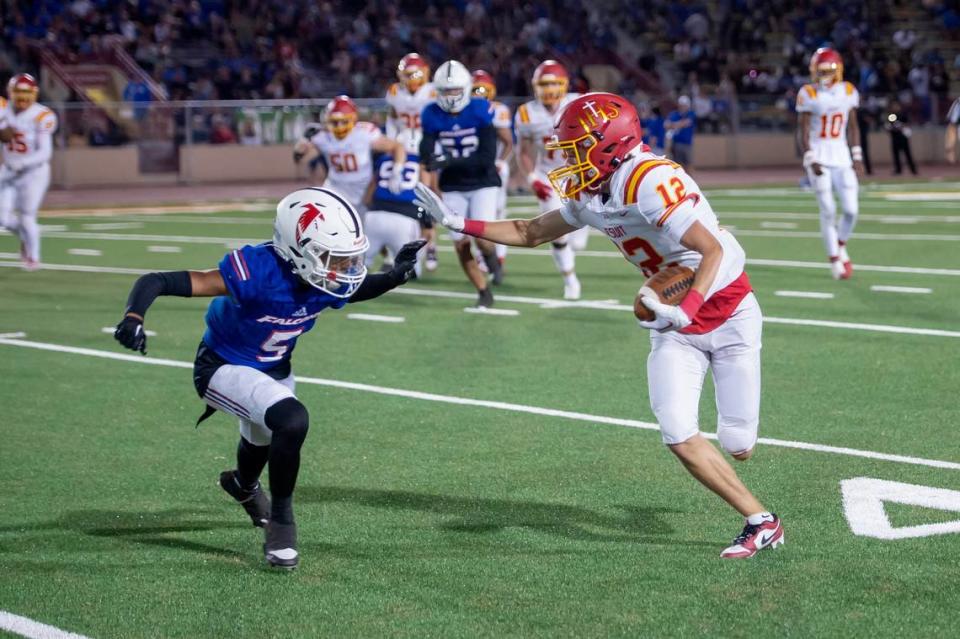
{"x":255,"y":501}
{"x":485,"y":298}
{"x":280,"y":547}
{"x":494,"y":267}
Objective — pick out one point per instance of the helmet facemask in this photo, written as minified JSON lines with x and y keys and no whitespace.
{"x":452,"y":99}
{"x":413,"y":78}
{"x":578,"y":172}
{"x":336,"y":273}
{"x":826,"y":74}
{"x":550,"y":90}
{"x":340,"y":124}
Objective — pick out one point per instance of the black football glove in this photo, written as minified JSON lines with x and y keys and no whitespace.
{"x":130,"y":333}
{"x":297,"y":156}
{"x":405,"y":261}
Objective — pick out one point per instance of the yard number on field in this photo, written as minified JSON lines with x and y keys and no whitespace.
{"x":863,"y":499}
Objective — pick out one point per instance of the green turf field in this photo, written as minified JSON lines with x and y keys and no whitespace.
{"x":428,"y":515}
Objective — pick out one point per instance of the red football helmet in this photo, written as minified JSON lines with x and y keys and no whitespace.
{"x":413,"y":72}
{"x":22,"y":91}
{"x":550,"y":82}
{"x":595,"y":132}
{"x":340,"y":116}
{"x":484,"y":85}
{"x":826,"y":67}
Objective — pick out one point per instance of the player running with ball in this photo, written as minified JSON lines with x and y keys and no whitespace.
{"x":657,"y":216}
{"x":266,"y":296}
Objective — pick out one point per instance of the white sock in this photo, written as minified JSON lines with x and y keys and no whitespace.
{"x":563,"y":258}
{"x":569,"y":278}
{"x":758,"y":518}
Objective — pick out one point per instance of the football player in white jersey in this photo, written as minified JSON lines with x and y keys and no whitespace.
{"x":485,"y":87}
{"x":832,"y":156}
{"x":533,"y":123}
{"x":657,"y":216}
{"x":347,"y":146}
{"x":27,"y":128}
{"x":406,"y":99}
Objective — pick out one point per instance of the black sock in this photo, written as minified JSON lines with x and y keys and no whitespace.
{"x":250,"y":462}
{"x":289,"y":421}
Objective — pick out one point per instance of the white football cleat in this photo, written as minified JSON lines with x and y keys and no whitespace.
{"x":837,"y":269}
{"x":847,"y":264}
{"x":753,"y":539}
{"x":571,"y":290}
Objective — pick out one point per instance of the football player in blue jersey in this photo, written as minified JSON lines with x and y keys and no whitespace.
{"x":392,"y":219}
{"x":266,"y":296}
{"x":460,"y":142}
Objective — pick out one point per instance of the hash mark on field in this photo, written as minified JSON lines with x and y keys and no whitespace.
{"x":483,"y":403}
{"x":26,"y":627}
{"x":164,"y":249}
{"x":814,"y":295}
{"x":390,"y":319}
{"x":85,"y":252}
{"x":778,"y":225}
{"x":482,"y":310}
{"x":110,"y":330}
{"x":112,"y":226}
{"x":12,"y":335}
{"x":901,"y":289}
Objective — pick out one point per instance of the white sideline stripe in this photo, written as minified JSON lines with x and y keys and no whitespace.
{"x":482,"y":403}
{"x":164,"y":249}
{"x":814,"y":295}
{"x":109,"y":330}
{"x":901,"y":289}
{"x":914,"y":270}
{"x":540,"y":301}
{"x":86,"y":252}
{"x":26,"y":627}
{"x":12,"y":335}
{"x":481,"y":310}
{"x":394,"y":319}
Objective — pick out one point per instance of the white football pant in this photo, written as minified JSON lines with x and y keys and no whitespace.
{"x":480,"y":204}
{"x":391,"y":230}
{"x":843,"y":180}
{"x":676,"y":368}
{"x":23,"y":192}
{"x":248,"y":393}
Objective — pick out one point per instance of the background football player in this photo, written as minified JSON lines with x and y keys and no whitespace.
{"x":392,"y":219}
{"x":485,"y":87}
{"x":657,"y":216}
{"x":533,"y":122}
{"x":828,"y":108}
{"x":460,"y":142}
{"x":266,"y":296}
{"x":348,"y":146}
{"x":27,"y":131}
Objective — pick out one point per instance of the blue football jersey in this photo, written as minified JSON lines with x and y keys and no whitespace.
{"x":267,"y":309}
{"x":402,"y":202}
{"x":468,"y":139}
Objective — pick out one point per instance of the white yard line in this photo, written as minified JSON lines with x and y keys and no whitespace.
{"x":85,"y":252}
{"x":16,"y":335}
{"x":482,"y":403}
{"x":481,"y":310}
{"x":901,"y":289}
{"x":548,"y":303}
{"x":778,"y":225}
{"x":26,"y":627}
{"x":813,"y":295}
{"x":390,"y":319}
{"x":164,"y":249}
{"x":112,"y":226}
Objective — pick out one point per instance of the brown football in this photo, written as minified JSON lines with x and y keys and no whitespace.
{"x":670,"y":285}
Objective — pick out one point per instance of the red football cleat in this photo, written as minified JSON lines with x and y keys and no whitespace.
{"x":769,"y":534}
{"x":847,"y":264}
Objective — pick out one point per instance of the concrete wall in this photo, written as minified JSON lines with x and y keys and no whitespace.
{"x":116,"y":166}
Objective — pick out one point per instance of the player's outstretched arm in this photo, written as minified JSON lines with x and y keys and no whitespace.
{"x":149,"y":287}
{"x":533,"y":232}
{"x":404,"y":265}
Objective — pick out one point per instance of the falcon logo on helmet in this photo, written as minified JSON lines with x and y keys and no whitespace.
{"x":484,"y":85}
{"x":320,"y":234}
{"x":595,"y":133}
{"x":826,"y":67}
{"x":413,"y":72}
{"x":453,"y":84}
{"x":340,"y":116}
{"x":550,"y":82}
{"x":22,"y":91}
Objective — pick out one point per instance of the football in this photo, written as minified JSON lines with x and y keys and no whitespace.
{"x":669,"y":285}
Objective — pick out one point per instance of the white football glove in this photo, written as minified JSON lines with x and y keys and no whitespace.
{"x":668,"y":318}
{"x":430,"y":202}
{"x":394,"y":185}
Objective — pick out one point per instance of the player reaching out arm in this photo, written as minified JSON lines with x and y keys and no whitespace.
{"x":827,"y":111}
{"x":265,"y":297}
{"x":656,"y":215}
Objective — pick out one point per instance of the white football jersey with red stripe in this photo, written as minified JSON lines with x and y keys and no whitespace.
{"x":349,"y":161}
{"x":829,"y":110}
{"x":533,"y":121}
{"x":651,"y":204}
{"x":32,"y":143}
{"x":408,"y":106}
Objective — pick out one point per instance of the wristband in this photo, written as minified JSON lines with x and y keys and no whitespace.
{"x":856,"y":153}
{"x":474,"y":227}
{"x":692,"y":303}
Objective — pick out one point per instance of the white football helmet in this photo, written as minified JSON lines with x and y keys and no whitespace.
{"x":454,"y":85}
{"x":321,"y":235}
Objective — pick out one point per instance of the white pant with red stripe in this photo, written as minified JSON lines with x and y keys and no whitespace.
{"x":248,"y":393}
{"x":678,"y":363}
{"x":23,"y":192}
